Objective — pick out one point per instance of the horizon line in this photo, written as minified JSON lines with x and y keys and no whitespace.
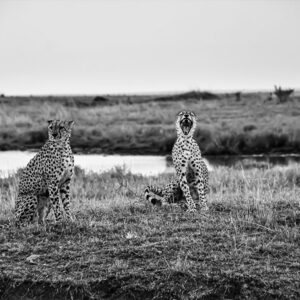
{"x":149,"y":93}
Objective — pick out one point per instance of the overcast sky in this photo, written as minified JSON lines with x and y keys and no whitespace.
{"x":136,"y":46}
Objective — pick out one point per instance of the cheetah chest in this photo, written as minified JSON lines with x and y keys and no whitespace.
{"x":66,"y":169}
{"x":59,"y":163}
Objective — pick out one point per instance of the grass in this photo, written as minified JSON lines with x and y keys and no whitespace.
{"x":120,"y":247}
{"x":145,"y":124}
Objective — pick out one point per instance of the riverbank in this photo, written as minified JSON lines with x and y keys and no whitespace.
{"x":227,"y":125}
{"x":120,"y":247}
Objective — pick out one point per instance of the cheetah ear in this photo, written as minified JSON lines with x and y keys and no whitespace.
{"x":71,"y":123}
{"x":49,"y":122}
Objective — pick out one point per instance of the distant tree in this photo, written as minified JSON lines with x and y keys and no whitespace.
{"x":270,"y":97}
{"x":238,"y":96}
{"x":282,"y":94}
{"x":2,"y":96}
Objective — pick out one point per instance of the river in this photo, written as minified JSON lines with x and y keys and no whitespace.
{"x":146,"y":165}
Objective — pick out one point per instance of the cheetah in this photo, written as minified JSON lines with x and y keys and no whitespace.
{"x":47,"y":175}
{"x":191,"y":170}
{"x":171,"y":193}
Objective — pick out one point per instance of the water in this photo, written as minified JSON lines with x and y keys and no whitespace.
{"x":146,"y":165}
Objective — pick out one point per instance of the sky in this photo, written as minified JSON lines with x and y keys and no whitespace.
{"x":140,"y":46}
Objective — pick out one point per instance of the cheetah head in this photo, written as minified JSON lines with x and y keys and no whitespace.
{"x":59,"y":130}
{"x":186,"y":123}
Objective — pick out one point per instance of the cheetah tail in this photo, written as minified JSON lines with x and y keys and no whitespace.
{"x":153,"y":195}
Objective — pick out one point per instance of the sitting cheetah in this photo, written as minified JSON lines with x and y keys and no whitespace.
{"x":191,"y":169}
{"x":47,"y":175}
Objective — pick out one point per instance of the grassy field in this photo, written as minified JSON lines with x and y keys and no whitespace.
{"x":145,"y":124}
{"x":120,"y":247}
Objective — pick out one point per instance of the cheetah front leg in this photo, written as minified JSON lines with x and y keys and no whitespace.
{"x":181,"y":170}
{"x":65,"y":198}
{"x":200,"y":182}
{"x":25,"y":209}
{"x":54,"y":198}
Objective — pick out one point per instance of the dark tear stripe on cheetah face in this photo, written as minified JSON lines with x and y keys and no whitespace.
{"x":191,"y":170}
{"x":47,"y":175}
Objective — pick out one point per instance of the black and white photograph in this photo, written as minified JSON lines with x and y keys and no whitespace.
{"x":149,"y":149}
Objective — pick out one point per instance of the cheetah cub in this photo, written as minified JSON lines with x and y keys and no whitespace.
{"x":47,"y":177}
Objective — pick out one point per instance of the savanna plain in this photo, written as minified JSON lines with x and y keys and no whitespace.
{"x":248,"y":124}
{"x":247,"y":246}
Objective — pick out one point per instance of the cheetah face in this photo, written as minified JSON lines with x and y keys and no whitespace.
{"x":186,"y":120}
{"x":59,"y":130}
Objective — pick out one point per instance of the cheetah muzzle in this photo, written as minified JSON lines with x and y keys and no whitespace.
{"x":186,"y":124}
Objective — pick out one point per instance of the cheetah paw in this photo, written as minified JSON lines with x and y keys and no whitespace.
{"x":191,"y":210}
{"x":204,"y":207}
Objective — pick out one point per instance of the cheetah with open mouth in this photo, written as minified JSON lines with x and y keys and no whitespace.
{"x":191,"y":169}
